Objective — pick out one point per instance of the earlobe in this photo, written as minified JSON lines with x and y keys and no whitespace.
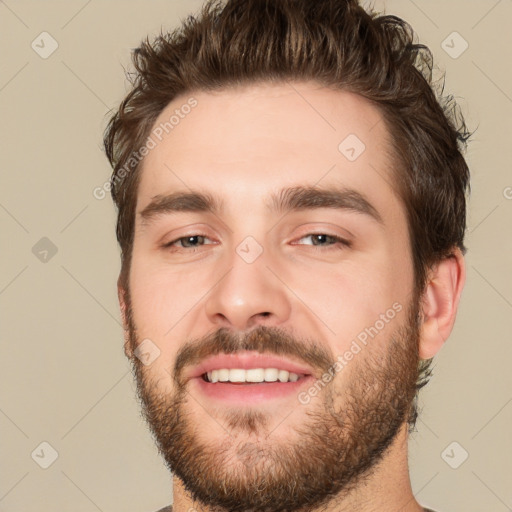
{"x":440,"y":303}
{"x":121,"y":295}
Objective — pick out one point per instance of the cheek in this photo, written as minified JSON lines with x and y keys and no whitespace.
{"x":160,"y":296}
{"x":167,"y":305}
{"x":350,"y":299}
{"x":158,"y":311}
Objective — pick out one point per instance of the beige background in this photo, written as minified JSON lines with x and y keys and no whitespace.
{"x":64,"y":377}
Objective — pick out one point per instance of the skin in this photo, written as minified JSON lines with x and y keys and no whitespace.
{"x":241,"y":145}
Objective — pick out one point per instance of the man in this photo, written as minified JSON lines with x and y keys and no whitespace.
{"x":291,"y":200}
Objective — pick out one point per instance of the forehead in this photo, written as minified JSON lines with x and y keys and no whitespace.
{"x":261,"y":137}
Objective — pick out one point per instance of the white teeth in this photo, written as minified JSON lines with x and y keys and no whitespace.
{"x":251,"y":375}
{"x":223,"y":375}
{"x":271,"y":374}
{"x":255,"y":375}
{"x":283,"y":375}
{"x":236,"y":375}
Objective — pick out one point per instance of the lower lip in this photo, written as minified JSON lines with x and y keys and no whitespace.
{"x":248,"y":394}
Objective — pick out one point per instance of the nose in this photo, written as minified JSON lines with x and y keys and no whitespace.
{"x":248,"y":295}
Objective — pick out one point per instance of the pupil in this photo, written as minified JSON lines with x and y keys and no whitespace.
{"x":321,"y":238}
{"x":190,"y":239}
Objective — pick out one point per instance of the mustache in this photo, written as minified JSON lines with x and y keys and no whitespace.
{"x":262,"y":339}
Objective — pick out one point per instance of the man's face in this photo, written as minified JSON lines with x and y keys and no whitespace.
{"x":286,"y":287}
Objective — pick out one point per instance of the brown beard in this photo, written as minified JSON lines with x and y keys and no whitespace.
{"x":345,"y":435}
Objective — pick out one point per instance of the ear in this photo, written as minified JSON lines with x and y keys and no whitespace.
{"x":121,"y":295}
{"x":440,"y":302}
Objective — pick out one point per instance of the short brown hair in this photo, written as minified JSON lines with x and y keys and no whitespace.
{"x":335,"y":43}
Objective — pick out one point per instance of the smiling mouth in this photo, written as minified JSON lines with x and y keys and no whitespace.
{"x":251,"y":376}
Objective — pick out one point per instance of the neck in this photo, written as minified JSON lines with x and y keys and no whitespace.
{"x":386,"y":489}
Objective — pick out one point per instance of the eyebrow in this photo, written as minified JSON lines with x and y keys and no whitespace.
{"x":286,"y":200}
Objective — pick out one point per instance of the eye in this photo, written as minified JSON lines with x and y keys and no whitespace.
{"x":187,"y":242}
{"x":328,"y":241}
{"x":320,"y":240}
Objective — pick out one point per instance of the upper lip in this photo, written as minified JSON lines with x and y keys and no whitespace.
{"x":246,"y":361}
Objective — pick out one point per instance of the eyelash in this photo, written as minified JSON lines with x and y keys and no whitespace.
{"x":338,"y":240}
